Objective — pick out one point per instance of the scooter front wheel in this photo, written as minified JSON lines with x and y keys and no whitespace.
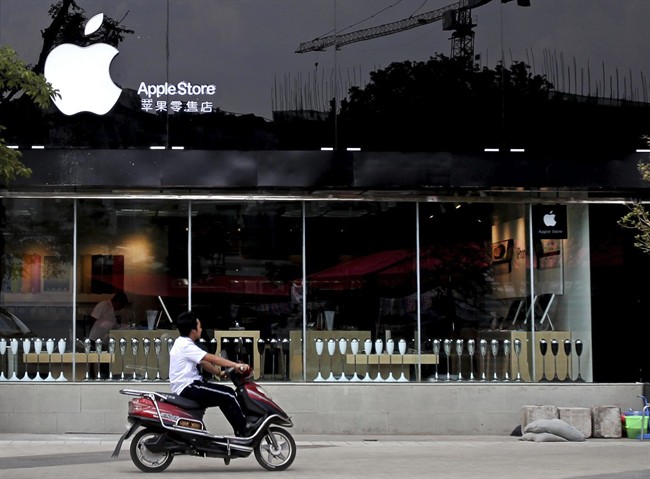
{"x":276,"y":451}
{"x":145,"y":459}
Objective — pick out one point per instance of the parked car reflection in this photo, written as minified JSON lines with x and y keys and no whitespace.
{"x":12,"y":327}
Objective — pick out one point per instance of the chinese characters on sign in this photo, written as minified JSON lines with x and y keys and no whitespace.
{"x":180,"y":89}
{"x":176,"y":106}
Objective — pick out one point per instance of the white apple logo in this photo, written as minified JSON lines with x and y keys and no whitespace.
{"x":549,"y":218}
{"x":82,"y":75}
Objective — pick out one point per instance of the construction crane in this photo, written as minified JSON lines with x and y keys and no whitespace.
{"x":456,"y":17}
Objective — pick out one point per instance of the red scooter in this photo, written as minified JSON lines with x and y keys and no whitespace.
{"x":171,"y":425}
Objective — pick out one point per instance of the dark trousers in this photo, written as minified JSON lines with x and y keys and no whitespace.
{"x":212,"y":394}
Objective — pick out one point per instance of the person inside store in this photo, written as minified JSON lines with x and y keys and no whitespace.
{"x":187,"y":359}
{"x":104,"y":317}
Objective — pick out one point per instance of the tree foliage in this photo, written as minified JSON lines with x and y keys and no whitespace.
{"x":638,"y":218}
{"x":17,"y":79}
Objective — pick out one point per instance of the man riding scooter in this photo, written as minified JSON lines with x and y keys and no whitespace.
{"x":185,"y":378}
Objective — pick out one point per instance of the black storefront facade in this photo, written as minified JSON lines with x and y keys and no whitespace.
{"x":400,"y":237}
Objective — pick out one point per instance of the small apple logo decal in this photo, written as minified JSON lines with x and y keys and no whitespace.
{"x":549,"y":218}
{"x":82,"y":75}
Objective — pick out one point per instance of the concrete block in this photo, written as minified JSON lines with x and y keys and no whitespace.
{"x":533,"y":413}
{"x":578,"y":417}
{"x":606,"y":421}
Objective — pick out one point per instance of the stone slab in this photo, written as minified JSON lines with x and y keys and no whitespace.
{"x":606,"y":421}
{"x":578,"y":417}
{"x":533,"y":413}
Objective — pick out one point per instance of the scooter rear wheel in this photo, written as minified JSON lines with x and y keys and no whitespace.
{"x":272,"y":457}
{"x":143,"y":458}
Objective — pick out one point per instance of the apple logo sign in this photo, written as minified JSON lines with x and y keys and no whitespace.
{"x":82,"y":75}
{"x":549,"y":218}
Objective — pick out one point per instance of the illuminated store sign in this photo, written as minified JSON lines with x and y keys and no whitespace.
{"x":179,"y":89}
{"x":81,"y":75}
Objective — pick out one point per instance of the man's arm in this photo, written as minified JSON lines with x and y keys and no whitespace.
{"x":210,"y":361}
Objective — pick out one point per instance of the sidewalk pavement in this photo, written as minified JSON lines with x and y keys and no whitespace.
{"x":25,"y":456}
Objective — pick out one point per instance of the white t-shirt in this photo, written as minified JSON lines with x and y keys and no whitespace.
{"x":183,"y":360}
{"x":105,"y":320}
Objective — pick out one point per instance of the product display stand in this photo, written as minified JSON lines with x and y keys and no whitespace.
{"x":27,"y":346}
{"x":343,"y":346}
{"x":134,"y":349}
{"x":436,"y":351}
{"x":471,"y":346}
{"x":401,"y":345}
{"x":379,"y":348}
{"x":578,"y":346}
{"x":49,"y":347}
{"x":61,"y":348}
{"x":494,"y":348}
{"x":483,"y":350}
{"x":157,"y":348}
{"x":517,"y":348}
{"x":38,"y":347}
{"x":555,"y":346}
{"x":367,"y":348}
{"x":122,"y":348}
{"x":354,"y":348}
{"x":390,"y":347}
{"x":331,"y":349}
{"x":506,"y":353}
{"x":567,"y":353}
{"x":543,"y":348}
{"x":3,"y":350}
{"x":318,"y":342}
{"x":446,"y":346}
{"x":459,"y":353}
{"x":13,"y":345}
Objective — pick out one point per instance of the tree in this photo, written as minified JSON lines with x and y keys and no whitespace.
{"x":17,"y":79}
{"x":638,"y":218}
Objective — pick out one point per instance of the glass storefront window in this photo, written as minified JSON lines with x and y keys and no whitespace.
{"x":138,"y":247}
{"x":246,"y":257}
{"x":36,"y":248}
{"x":485,"y":298}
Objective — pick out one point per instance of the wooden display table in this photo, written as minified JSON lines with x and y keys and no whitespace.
{"x":56,"y":360}
{"x":295,"y":352}
{"x":386,"y":364}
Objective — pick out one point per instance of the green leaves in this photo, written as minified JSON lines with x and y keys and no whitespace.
{"x":17,"y":79}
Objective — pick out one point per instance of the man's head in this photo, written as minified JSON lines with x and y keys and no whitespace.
{"x":119,"y":300}
{"x":188,"y":322}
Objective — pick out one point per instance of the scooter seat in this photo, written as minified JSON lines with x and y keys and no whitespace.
{"x":180,"y":401}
